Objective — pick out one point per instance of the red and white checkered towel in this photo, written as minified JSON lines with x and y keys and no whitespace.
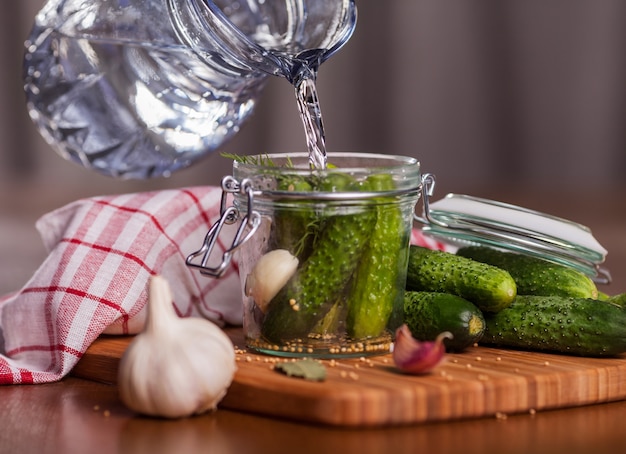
{"x":102,"y":251}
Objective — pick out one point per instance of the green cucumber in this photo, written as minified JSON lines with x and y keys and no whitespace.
{"x":575,"y":326}
{"x":427,"y":314}
{"x":324,"y":275}
{"x":619,"y":299}
{"x":379,"y":279}
{"x":294,"y":223}
{"x":603,"y":296}
{"x":488,"y":287}
{"x":535,"y":276}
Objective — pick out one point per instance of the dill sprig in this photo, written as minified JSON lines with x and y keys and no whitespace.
{"x":257,"y":160}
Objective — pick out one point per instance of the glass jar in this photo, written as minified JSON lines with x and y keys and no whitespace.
{"x":323,"y":254}
{"x":142,"y":88}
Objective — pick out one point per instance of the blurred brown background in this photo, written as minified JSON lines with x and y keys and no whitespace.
{"x":502,"y":98}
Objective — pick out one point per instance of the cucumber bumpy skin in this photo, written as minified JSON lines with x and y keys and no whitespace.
{"x":312,"y":292}
{"x":379,"y":280}
{"x":427,"y":314}
{"x":575,"y":326}
{"x":293,"y":225}
{"x":296,"y":223}
{"x":535,"y":276}
{"x":488,"y":287}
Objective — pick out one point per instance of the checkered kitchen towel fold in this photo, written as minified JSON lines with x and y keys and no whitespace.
{"x":102,"y":251}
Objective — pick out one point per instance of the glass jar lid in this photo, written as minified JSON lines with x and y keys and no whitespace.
{"x":462,"y":220}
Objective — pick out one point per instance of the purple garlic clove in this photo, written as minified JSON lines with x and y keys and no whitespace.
{"x":416,"y":357}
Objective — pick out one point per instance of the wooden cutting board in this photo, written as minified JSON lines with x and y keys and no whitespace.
{"x":480,"y":382}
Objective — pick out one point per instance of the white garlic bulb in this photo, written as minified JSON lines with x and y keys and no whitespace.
{"x":176,"y":366}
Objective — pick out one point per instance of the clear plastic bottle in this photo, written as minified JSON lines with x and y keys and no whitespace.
{"x":142,"y":88}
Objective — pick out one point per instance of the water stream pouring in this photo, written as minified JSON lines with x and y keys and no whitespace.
{"x":142,"y":88}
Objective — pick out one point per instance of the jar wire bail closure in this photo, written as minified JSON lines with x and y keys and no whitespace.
{"x":228,"y":216}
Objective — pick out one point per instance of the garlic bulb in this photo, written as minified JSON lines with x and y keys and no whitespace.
{"x":176,"y":366}
{"x":270,"y":274}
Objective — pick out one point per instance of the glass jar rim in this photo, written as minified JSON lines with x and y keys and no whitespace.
{"x":298,"y":161}
{"x":260,"y":171}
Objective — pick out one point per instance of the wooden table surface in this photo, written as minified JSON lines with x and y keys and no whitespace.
{"x":78,"y":416}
